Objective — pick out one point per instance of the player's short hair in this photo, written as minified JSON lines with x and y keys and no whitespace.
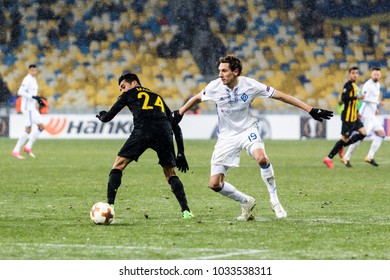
{"x":353,"y":68}
{"x":128,"y":77}
{"x":375,"y":69}
{"x":234,"y":63}
{"x":32,"y":66}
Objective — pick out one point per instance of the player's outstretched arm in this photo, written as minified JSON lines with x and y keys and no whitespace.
{"x":315,"y":113}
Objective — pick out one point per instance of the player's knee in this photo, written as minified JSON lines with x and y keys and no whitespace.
{"x":169,"y":172}
{"x":215,"y":185}
{"x":262,"y":161}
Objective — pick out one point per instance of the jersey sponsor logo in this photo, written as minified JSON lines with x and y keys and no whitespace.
{"x":231,"y":111}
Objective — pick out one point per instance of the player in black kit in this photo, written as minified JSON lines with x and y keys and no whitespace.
{"x":153,"y":129}
{"x":349,"y":117}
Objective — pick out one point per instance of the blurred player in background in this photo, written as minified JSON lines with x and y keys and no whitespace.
{"x":152,"y":129}
{"x":239,"y":130}
{"x":369,"y":111}
{"x":30,"y":100}
{"x":349,"y":117}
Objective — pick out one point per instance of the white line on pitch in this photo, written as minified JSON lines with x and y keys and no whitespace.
{"x":246,"y":252}
{"x":53,"y":245}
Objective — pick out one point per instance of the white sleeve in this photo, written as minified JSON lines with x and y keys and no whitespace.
{"x":263,"y":90}
{"x":25,"y":89}
{"x":209,"y":90}
{"x":370,"y":96}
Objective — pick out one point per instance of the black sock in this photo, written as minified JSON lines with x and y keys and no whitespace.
{"x":178,"y":189}
{"x":114,"y":181}
{"x":337,"y":147}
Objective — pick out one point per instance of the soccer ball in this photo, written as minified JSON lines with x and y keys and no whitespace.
{"x":102,"y":213}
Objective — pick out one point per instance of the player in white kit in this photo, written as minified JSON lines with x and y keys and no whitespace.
{"x":369,"y":111}
{"x":238,"y":130}
{"x":28,"y":90}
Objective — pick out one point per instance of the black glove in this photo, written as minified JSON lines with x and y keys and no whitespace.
{"x":101,"y":115}
{"x":320,"y":114}
{"x":39,"y":100}
{"x":176,"y":117}
{"x":181,"y":163}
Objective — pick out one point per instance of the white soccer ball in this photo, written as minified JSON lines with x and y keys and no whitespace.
{"x":102,"y":213}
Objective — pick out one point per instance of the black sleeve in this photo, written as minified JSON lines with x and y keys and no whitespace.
{"x":115,"y":109}
{"x":346,"y":90}
{"x":179,"y":138}
{"x":176,"y":130}
{"x":168,"y":111}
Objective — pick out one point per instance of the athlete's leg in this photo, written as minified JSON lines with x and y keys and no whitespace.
{"x":350,"y":150}
{"x":376,"y":143}
{"x":115,"y":177}
{"x":226,"y":189}
{"x":33,"y":136}
{"x":267,"y":173}
{"x":176,"y":187}
{"x":22,"y":139}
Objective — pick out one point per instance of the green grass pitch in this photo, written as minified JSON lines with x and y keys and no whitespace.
{"x":339,"y":214}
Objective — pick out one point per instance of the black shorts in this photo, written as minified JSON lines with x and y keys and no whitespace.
{"x":158,"y":136}
{"x":349,"y":127}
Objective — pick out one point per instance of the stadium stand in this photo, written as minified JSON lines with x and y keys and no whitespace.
{"x":81,"y":47}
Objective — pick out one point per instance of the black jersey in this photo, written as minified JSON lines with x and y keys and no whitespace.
{"x":349,"y":98}
{"x":145,"y":105}
{"x":152,"y":118}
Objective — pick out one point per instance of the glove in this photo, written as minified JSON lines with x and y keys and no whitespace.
{"x":320,"y":114}
{"x":39,"y":100}
{"x":176,"y":117}
{"x":181,"y":163}
{"x":101,"y":115}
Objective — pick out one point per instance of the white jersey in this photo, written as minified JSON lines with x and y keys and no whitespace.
{"x":27,"y":90}
{"x":370,"y":102}
{"x":234,"y":105}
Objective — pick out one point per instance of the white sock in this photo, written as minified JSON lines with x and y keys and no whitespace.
{"x":231,"y":192}
{"x":376,"y":143}
{"x":351,"y":149}
{"x":267,"y":174}
{"x":32,"y":138}
{"x":23,"y":138}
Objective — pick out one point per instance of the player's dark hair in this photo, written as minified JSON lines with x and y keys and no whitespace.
{"x":128,"y":77}
{"x":234,"y":63}
{"x":32,"y":66}
{"x":353,"y":68}
{"x":375,"y":69}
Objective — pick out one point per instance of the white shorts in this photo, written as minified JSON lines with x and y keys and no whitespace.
{"x":227,"y":150}
{"x":372,"y":124}
{"x":32,"y":117}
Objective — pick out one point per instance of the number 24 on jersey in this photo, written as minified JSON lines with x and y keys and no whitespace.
{"x":149,"y":106}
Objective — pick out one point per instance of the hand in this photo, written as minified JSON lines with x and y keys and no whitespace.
{"x":181,"y":163}
{"x":176,"y":117}
{"x":40,"y":102}
{"x":101,"y":115}
{"x":320,"y":114}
